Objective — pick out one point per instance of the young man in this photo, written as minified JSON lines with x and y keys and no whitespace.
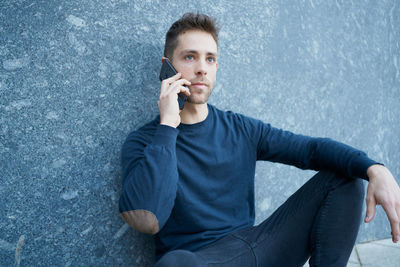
{"x":189,"y":176}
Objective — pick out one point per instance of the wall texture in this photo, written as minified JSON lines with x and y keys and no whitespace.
{"x":77,"y":76}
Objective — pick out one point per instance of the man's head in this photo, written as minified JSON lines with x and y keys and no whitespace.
{"x":188,"y":22}
{"x":191,"y":45}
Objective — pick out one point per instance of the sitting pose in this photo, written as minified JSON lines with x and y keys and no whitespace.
{"x":189,"y":176}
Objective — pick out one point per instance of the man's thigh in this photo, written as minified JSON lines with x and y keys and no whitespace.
{"x":229,"y":251}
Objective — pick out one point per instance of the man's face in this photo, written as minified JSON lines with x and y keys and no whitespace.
{"x":196,"y":58}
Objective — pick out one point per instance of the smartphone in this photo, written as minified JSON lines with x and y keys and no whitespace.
{"x":167,"y":70}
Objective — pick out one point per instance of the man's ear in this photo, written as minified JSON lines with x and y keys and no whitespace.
{"x":216,"y":66}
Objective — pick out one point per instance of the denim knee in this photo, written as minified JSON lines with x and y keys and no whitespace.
{"x":331,"y":180}
{"x":179,"y":258}
{"x":356,"y":185}
{"x":353,"y":185}
{"x":358,"y":188}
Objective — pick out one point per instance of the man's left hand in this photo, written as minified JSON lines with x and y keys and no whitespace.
{"x":384,"y":190}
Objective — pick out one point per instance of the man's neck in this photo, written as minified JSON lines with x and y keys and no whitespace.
{"x":194,"y":113}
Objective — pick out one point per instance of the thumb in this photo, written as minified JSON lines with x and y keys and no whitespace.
{"x":371,"y":206}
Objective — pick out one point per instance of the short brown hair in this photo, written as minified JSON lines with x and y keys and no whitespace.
{"x":189,"y":21}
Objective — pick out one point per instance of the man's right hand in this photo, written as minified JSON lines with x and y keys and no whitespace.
{"x":168,"y":102}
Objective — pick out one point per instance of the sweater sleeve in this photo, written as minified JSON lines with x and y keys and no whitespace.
{"x":150,"y":179}
{"x":307,"y":152}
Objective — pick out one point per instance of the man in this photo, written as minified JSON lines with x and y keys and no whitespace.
{"x":189,"y":176}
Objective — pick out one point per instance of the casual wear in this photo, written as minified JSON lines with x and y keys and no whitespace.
{"x":198,"y":179}
{"x":320,"y":220}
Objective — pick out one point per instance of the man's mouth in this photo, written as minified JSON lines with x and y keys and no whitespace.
{"x":199,"y":85}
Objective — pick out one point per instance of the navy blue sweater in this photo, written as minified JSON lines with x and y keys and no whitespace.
{"x":198,"y":179}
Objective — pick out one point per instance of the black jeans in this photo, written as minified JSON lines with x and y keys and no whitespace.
{"x":320,"y":220}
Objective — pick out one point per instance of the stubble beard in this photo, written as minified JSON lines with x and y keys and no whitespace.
{"x":200,"y":98}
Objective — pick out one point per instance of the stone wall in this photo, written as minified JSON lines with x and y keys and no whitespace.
{"x":77,"y":76}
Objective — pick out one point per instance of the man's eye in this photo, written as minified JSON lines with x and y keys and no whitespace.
{"x":189,"y":57}
{"x":211,"y":59}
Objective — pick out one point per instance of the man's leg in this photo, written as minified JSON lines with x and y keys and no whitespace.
{"x":228,"y":251}
{"x":320,"y":220}
{"x":179,"y":258}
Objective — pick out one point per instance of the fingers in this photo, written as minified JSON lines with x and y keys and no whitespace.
{"x":394,"y":221}
{"x":391,"y":211}
{"x":397,"y":237}
{"x":174,"y":84}
{"x":384,"y":190}
{"x":165,"y":84}
{"x":185,"y":90}
{"x":178,"y":87}
{"x":172,"y":78}
{"x":371,"y":206}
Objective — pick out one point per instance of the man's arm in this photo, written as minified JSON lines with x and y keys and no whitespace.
{"x":150,"y":179}
{"x":383,"y":190}
{"x":307,"y":152}
{"x":150,"y":168}
{"x":324,"y":153}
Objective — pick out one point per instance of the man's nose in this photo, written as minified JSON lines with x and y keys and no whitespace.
{"x":201,"y":67}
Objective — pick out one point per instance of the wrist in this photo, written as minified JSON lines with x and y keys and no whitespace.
{"x":168,"y":121}
{"x":374,"y":170}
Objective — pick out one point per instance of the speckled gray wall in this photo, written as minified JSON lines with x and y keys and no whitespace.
{"x":77,"y":76}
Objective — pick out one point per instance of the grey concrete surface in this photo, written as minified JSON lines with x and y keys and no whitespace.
{"x":77,"y":76}
{"x":379,"y":253}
